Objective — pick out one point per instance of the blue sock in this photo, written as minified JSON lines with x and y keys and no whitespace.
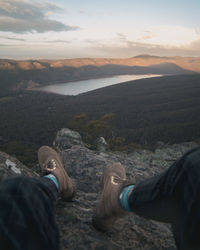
{"x":54,"y":179}
{"x":124,"y":198}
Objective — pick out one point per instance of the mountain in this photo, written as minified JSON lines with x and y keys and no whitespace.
{"x":86,"y":168}
{"x":146,"y":56}
{"x":188,"y":63}
{"x":168,"y":68}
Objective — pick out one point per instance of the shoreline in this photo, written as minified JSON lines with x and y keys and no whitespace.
{"x":92,"y":78}
{"x":41,"y":88}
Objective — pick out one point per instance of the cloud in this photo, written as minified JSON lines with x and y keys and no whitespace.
{"x":163,"y":35}
{"x":4,"y":45}
{"x":23,"y":16}
{"x":128,"y":48}
{"x":170,"y":35}
{"x":39,"y":25}
{"x":195,"y":45}
{"x":58,"y":41}
{"x":198,"y":30}
{"x":12,"y":38}
{"x":121,"y":37}
{"x":158,"y":40}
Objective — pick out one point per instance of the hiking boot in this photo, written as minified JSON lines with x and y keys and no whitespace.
{"x":51,"y":163}
{"x":108,"y":208}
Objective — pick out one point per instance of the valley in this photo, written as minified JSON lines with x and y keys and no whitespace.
{"x":150,"y":110}
{"x":17,"y":74}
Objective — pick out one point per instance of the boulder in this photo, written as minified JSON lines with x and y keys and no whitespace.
{"x":10,"y":166}
{"x":66,"y":138}
{"x":102,"y":145}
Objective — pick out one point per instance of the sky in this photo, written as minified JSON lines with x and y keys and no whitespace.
{"x":58,"y":29}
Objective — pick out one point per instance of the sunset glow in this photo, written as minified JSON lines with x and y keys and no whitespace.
{"x":70,"y":29}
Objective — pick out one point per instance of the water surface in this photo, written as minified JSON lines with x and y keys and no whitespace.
{"x":78,"y":87}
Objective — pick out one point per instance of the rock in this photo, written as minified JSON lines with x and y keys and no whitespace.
{"x":102,"y":145}
{"x":134,"y":232}
{"x":67,"y":138}
{"x":10,"y":166}
{"x":86,"y":167}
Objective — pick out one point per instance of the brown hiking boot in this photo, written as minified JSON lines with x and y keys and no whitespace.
{"x":51,"y":163}
{"x":108,"y":208}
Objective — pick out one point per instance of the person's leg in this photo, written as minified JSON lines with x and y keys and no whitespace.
{"x":172,"y":196}
{"x":159,"y":197}
{"x":27,"y":218}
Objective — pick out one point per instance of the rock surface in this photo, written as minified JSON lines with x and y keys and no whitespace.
{"x":67,"y":138}
{"x":86,"y":167}
{"x":10,"y":166}
{"x":102,"y":145}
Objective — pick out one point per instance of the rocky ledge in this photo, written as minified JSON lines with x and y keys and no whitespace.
{"x":86,"y":167}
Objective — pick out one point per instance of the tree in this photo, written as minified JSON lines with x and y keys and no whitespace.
{"x":93,"y":129}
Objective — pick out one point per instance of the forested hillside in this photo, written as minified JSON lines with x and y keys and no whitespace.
{"x":146,"y":111}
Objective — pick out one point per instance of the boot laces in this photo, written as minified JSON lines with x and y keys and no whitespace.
{"x":117,"y":180}
{"x":51,"y":165}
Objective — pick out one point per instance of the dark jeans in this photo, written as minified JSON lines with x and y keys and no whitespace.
{"x":174,"y":197}
{"x":27,"y":220}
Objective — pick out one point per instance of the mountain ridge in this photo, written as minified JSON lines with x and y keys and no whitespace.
{"x":188,"y":63}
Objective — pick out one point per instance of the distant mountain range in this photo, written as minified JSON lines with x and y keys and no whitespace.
{"x":187,"y":63}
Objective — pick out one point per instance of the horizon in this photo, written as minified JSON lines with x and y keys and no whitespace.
{"x":53,"y":30}
{"x":82,"y":58}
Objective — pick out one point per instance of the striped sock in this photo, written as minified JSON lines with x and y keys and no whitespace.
{"x":54,"y":179}
{"x":124,"y":198}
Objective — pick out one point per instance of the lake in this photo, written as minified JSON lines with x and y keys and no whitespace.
{"x":78,"y":87}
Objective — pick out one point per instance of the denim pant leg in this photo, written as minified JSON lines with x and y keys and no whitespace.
{"x":174,"y":197}
{"x":27,"y":218}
